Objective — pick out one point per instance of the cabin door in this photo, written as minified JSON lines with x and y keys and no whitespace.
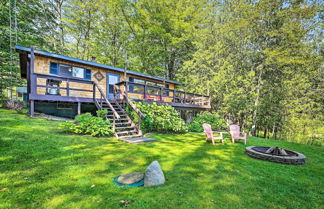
{"x":111,"y":80}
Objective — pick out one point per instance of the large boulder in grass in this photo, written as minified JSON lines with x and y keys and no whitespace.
{"x":130,"y":178}
{"x":153,"y":175}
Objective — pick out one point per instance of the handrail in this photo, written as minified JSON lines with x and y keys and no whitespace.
{"x":105,"y":99}
{"x":50,"y":76}
{"x":133,"y":106}
{"x":138,"y":111}
{"x":164,"y":89}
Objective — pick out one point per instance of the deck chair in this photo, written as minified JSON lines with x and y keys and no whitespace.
{"x":209,"y":134}
{"x":236,"y":134}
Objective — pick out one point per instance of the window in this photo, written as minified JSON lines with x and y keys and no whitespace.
{"x":70,"y":71}
{"x":153,"y":91}
{"x":166,"y":92}
{"x":65,"y":70}
{"x":135,"y":80}
{"x":139,"y":89}
{"x":78,"y":72}
{"x":160,"y":85}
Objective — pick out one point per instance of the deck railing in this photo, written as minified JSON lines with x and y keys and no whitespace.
{"x":164,"y":94}
{"x":42,"y":90}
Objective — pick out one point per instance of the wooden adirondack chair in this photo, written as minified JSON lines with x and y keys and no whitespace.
{"x":236,"y":134}
{"x":209,"y":134}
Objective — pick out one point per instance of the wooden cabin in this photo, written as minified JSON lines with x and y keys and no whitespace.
{"x":66,"y":86}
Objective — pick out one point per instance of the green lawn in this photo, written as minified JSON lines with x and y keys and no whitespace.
{"x":43,"y":168}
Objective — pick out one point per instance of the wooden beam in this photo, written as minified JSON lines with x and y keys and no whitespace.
{"x":79,"y":108}
{"x":61,"y":78}
{"x":28,"y":80}
{"x":68,"y":88}
{"x":33,"y":81}
{"x":61,"y":98}
{"x":32,"y":108}
{"x":145,"y":92}
{"x":161,"y":94}
{"x":64,"y":88}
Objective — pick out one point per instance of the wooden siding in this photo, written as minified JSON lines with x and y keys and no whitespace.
{"x":42,"y":65}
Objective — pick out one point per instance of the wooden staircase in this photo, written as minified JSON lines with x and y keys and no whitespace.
{"x":123,"y":125}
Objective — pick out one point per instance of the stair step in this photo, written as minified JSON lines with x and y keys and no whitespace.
{"x":129,"y":136}
{"x":126,"y":132}
{"x":119,"y":113}
{"x":118,"y":120}
{"x":107,"y":107}
{"x":121,"y":118}
{"x":125,"y":123}
{"x":124,"y":127}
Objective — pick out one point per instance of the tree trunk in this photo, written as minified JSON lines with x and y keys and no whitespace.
{"x":256,"y":103}
{"x":265,"y":133}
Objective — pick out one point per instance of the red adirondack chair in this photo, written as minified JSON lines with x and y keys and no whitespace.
{"x":209,"y":134}
{"x":236,"y":134}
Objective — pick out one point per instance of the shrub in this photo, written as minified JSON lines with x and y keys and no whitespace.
{"x":161,"y":118}
{"x":13,"y":104}
{"x":216,"y":122}
{"x":102,"y":113}
{"x":88,"y":124}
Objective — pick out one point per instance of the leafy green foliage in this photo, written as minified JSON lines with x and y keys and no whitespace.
{"x":216,"y":122}
{"x":88,"y":124}
{"x":102,"y":113}
{"x":161,"y":118}
{"x":261,"y":66}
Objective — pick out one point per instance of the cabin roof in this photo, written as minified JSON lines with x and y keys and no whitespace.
{"x":62,"y":57}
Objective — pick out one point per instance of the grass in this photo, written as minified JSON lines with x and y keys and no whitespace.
{"x":43,"y":168}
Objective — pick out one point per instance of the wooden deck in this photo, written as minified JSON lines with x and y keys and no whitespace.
{"x":40,"y":88}
{"x":179,"y":99}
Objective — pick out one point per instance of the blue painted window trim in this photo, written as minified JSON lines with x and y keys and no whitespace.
{"x":87,"y":74}
{"x":55,"y":69}
{"x":131,"y":88}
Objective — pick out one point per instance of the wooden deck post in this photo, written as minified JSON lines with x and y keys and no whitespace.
{"x":161,"y":94}
{"x":126,"y":88}
{"x":94,"y":91}
{"x":33,"y":81}
{"x":174,"y":95}
{"x":68,"y":87}
{"x":79,"y":108}
{"x":32,"y":108}
{"x":144,"y":92}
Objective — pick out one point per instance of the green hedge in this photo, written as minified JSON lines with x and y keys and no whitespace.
{"x":88,"y":124}
{"x":216,"y":122}
{"x":160,"y":118}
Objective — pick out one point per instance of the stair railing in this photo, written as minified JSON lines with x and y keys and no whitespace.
{"x":121,"y":92}
{"x":103,"y":100}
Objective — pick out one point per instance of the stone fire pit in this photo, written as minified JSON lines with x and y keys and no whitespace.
{"x":276,"y":154}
